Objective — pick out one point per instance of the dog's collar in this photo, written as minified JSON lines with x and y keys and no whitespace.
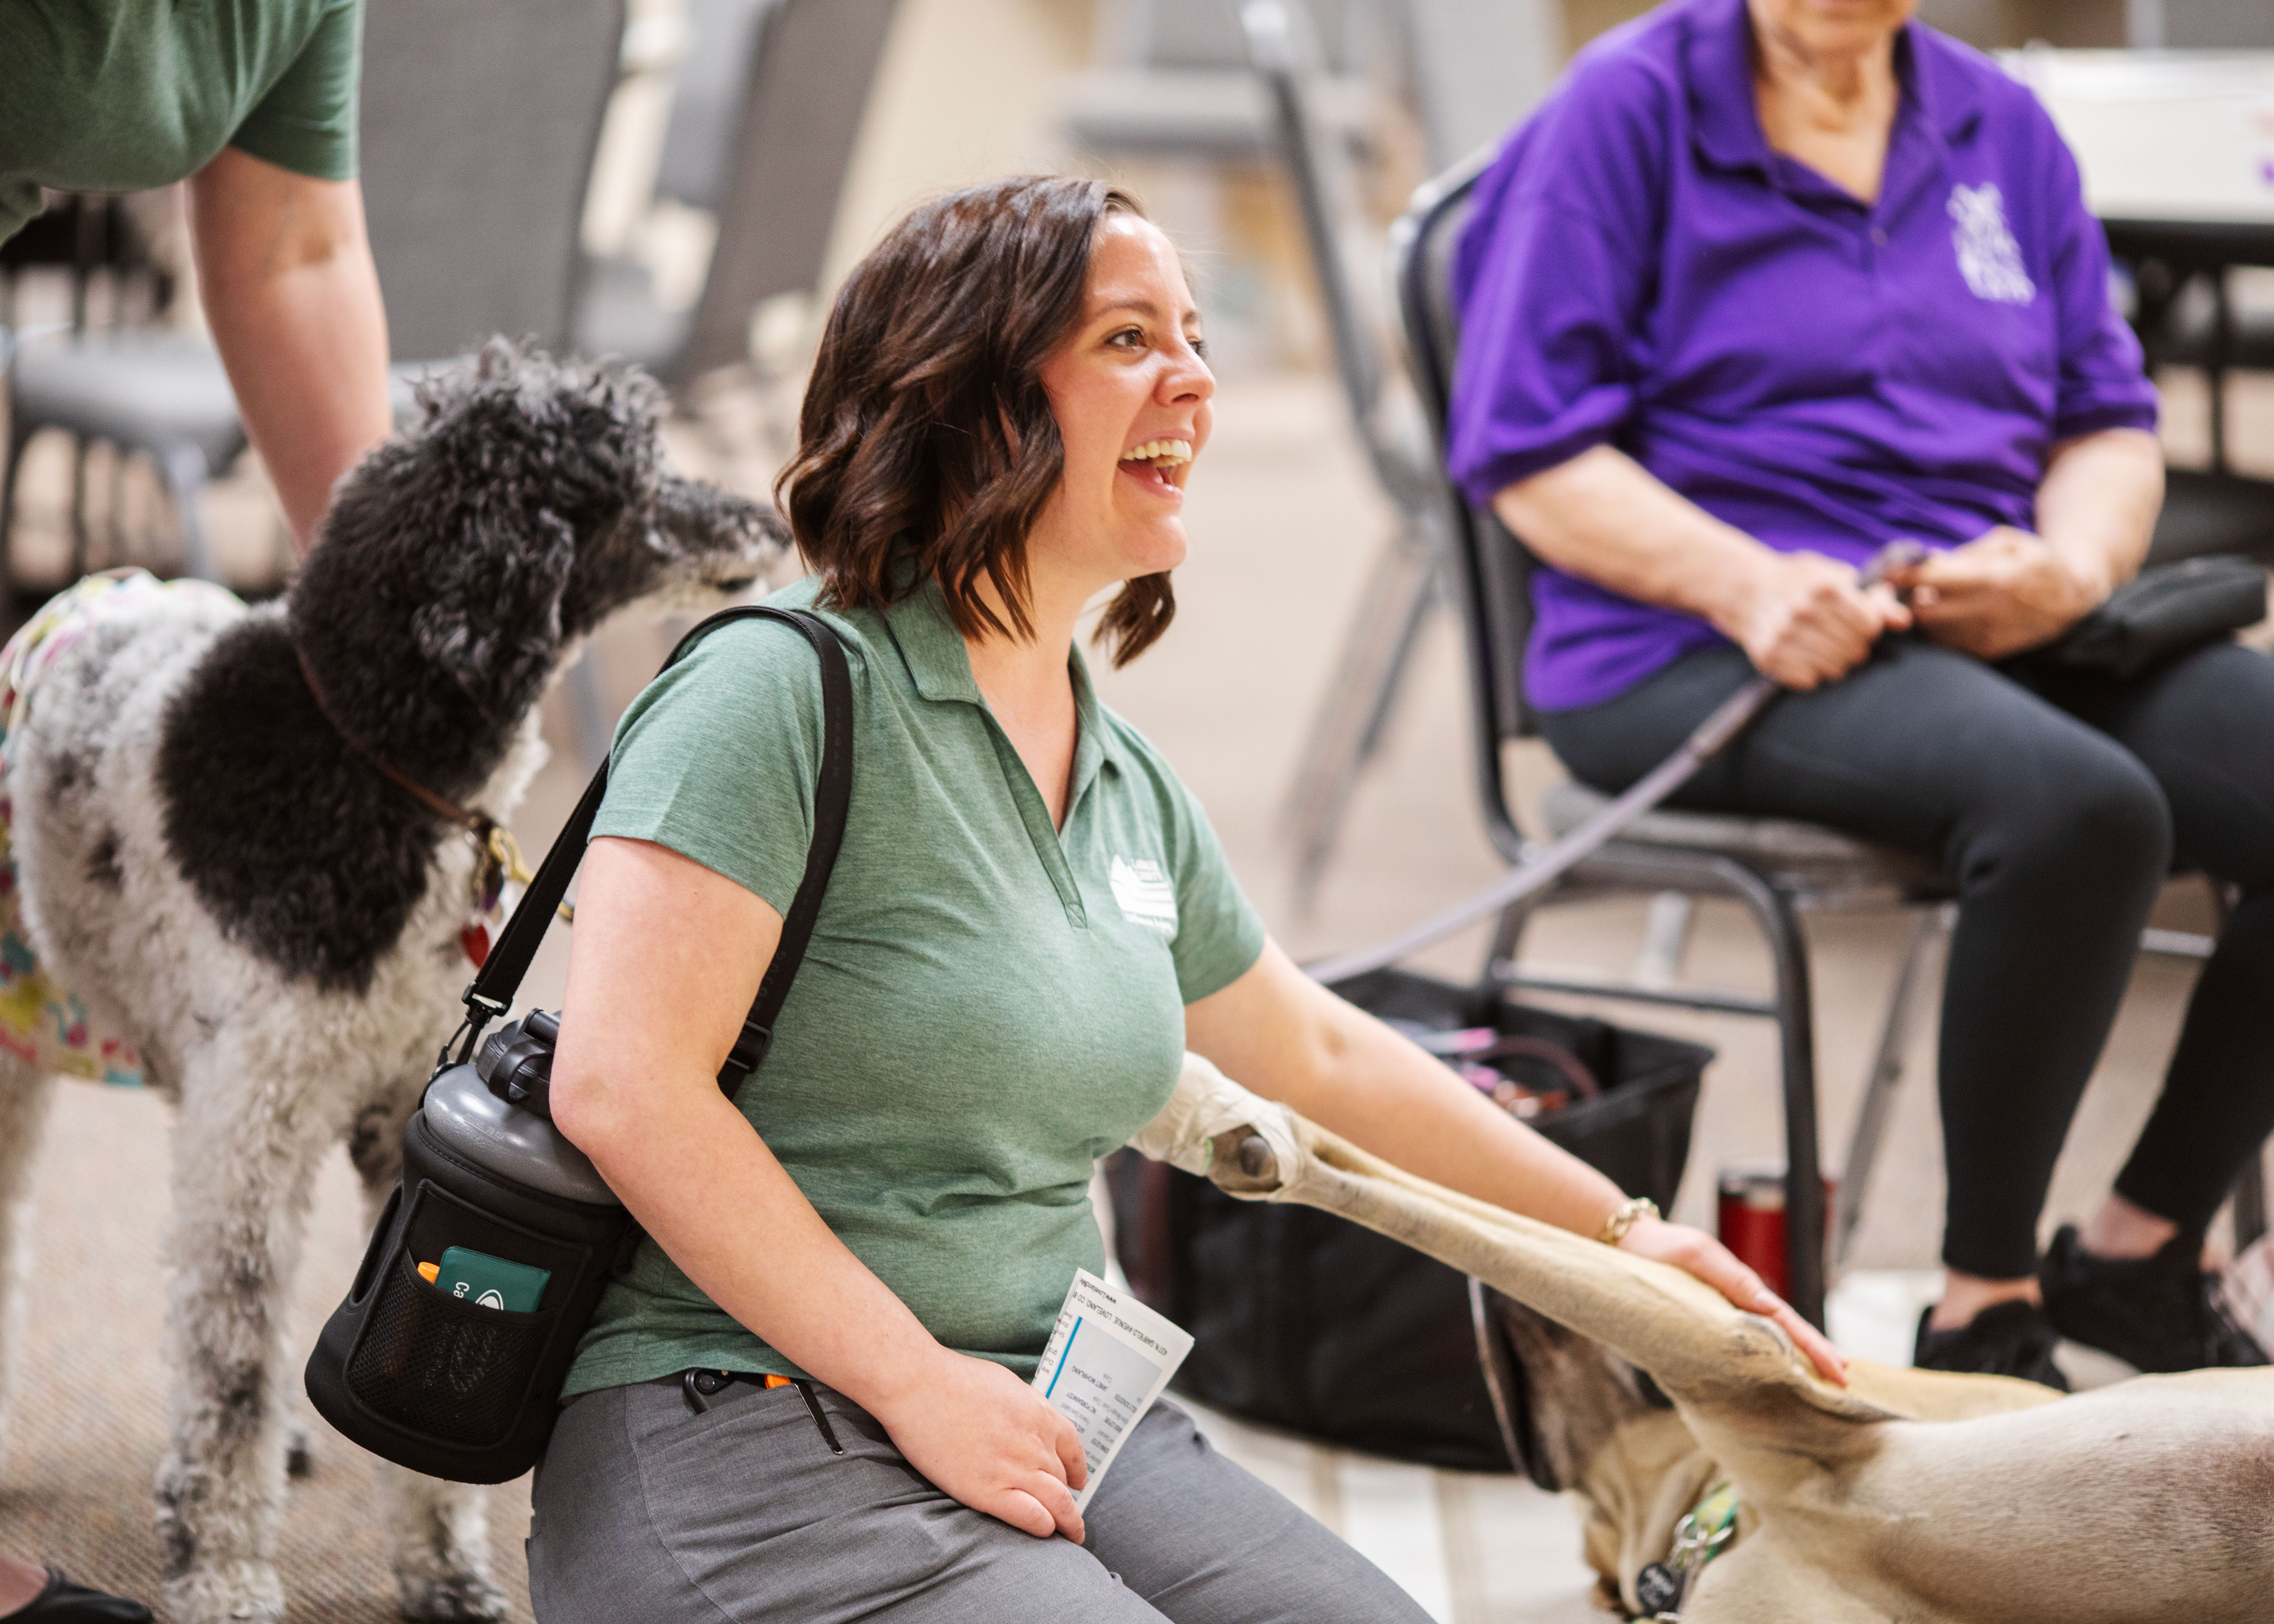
{"x":1704,"y":1534}
{"x":479,"y":824}
{"x":500,"y":855}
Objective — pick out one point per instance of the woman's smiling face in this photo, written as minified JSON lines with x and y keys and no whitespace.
{"x":1130,"y":390}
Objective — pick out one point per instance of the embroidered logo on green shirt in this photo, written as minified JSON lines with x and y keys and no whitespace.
{"x":1146,"y":895}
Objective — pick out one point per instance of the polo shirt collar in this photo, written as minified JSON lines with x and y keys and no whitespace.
{"x":940,"y":666}
{"x":937,"y":659}
{"x":1093,"y":748}
{"x":1717,"y":74}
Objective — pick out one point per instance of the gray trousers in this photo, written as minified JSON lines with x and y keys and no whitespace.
{"x":643,"y":1509}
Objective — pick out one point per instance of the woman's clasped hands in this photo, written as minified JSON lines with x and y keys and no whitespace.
{"x":1805,"y":620}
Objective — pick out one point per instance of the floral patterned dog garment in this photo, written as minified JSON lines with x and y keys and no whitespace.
{"x":40,"y":1022}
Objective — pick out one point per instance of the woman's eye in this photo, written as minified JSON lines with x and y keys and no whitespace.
{"x":1199,"y":348}
{"x":1128,"y":338}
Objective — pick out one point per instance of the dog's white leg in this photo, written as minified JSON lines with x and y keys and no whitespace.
{"x":24,"y":1098}
{"x":438,"y":1531}
{"x":441,"y":1535}
{"x":245,"y":1156}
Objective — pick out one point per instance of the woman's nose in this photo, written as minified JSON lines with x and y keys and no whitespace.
{"x":1187,"y":377}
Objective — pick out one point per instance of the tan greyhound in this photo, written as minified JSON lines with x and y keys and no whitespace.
{"x":1907,"y":1497}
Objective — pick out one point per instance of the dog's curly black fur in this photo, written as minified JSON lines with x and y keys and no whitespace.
{"x":456,"y":563}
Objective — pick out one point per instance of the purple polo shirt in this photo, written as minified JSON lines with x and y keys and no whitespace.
{"x":1641,"y":270}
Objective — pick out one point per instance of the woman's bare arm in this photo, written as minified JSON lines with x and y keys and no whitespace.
{"x":290,"y":291}
{"x":1604,"y":517}
{"x":1282,"y":1035}
{"x":666,"y":959}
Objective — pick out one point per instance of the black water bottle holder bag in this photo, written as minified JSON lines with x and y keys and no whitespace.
{"x":469,"y":1392}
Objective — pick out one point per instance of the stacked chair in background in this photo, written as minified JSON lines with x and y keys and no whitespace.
{"x":479,"y":127}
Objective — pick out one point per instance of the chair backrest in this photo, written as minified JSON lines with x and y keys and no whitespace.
{"x":479,"y":122}
{"x":812,"y":63}
{"x":1479,"y":67}
{"x":1493,"y":573}
{"x":709,"y":88}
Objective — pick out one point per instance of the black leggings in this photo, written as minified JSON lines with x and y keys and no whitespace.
{"x":2058,"y":800}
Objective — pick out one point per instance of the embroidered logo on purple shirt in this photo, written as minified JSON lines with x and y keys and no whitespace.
{"x":1988,"y":256}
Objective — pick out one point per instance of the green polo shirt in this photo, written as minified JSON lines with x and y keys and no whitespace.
{"x":988,"y":1005}
{"x":123,"y":95}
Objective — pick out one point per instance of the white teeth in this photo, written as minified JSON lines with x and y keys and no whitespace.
{"x":1160,"y":451}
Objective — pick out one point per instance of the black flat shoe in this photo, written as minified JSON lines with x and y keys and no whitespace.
{"x":2159,"y":1314}
{"x":62,"y":1602}
{"x":2008,"y":1338}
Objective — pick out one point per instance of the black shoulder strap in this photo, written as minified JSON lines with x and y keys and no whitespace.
{"x":492,"y":991}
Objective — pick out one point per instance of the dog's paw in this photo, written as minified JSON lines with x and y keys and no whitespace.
{"x":456,"y":1596}
{"x":237,"y":1592}
{"x":299,"y":1452}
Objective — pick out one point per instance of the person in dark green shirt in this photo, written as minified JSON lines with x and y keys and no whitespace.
{"x":1028,"y":924}
{"x":253,"y":103}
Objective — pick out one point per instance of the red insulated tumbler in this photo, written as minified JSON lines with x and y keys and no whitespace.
{"x":1751,"y":1220}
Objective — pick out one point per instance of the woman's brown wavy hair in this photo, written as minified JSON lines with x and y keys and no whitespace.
{"x":926,"y":445}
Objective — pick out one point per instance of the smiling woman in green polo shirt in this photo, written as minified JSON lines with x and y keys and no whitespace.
{"x":1029,"y":920}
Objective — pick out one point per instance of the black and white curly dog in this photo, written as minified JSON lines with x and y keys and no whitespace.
{"x":238,"y":892}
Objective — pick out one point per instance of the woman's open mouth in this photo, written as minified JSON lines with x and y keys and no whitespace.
{"x":1159,"y":463}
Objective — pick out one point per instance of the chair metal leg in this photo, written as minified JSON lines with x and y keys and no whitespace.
{"x":186,"y":473}
{"x":1665,"y":939}
{"x":1354,"y":715}
{"x":1508,"y":930}
{"x":1804,"y":1182}
{"x":18,"y":440}
{"x":77,"y":509}
{"x":1879,"y":1089}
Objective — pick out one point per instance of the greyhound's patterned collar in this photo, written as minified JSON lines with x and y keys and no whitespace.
{"x":1663,"y":1587}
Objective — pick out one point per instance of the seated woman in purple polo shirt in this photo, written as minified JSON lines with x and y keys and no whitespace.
{"x":1762,"y":288}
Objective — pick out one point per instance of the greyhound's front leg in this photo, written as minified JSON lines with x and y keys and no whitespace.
{"x":244,"y":1160}
{"x":438,"y":1531}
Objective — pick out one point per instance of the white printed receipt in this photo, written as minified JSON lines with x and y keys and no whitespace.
{"x":1107,"y":1360}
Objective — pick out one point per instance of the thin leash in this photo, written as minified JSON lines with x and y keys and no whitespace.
{"x":1713,"y":735}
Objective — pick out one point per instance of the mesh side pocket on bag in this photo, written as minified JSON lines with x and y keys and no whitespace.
{"x":445,"y":1368}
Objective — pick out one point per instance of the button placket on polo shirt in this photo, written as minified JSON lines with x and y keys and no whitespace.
{"x":1049,"y":848}
{"x":940,"y":667}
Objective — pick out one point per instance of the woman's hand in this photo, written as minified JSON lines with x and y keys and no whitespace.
{"x":1695,"y":1253}
{"x":981,"y":1434}
{"x":1999,"y":594}
{"x":1803,"y":620}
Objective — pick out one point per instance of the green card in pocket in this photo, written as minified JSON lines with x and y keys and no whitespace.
{"x":492,"y":1282}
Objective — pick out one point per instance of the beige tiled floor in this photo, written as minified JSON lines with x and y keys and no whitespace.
{"x":1283,"y":522}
